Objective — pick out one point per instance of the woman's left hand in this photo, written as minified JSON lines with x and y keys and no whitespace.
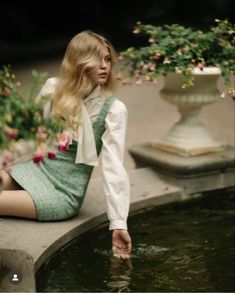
{"x":121,"y":244}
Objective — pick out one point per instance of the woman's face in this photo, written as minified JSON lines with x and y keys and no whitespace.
{"x":100,"y":74}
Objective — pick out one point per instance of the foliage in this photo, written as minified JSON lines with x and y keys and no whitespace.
{"x":175,"y":48}
{"x":21,"y":118}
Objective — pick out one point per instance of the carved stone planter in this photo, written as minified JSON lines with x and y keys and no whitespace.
{"x":189,"y":137}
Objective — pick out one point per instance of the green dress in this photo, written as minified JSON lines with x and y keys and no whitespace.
{"x":58,"y":186}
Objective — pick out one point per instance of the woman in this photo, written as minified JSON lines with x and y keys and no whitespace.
{"x":95,"y":135}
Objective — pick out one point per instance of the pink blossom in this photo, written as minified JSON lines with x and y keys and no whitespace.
{"x":38,"y":157}
{"x":200,"y":65}
{"x":63,"y":141}
{"x":156,"y":57}
{"x":51,"y":155}
{"x":62,"y":147}
{"x":151,"y":67}
{"x":11,"y":132}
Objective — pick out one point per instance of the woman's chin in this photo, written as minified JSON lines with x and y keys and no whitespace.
{"x":101,"y":82}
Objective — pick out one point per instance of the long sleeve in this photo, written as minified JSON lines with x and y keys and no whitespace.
{"x":115,"y":177}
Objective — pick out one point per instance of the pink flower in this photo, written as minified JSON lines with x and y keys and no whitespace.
{"x":11,"y":132}
{"x":156,"y":57}
{"x":151,"y":67}
{"x":63,"y":141}
{"x":62,"y":147}
{"x":200,"y":65}
{"x":51,"y":155}
{"x":38,"y":157}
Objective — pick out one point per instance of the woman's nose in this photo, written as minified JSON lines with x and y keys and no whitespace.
{"x":103,"y":64}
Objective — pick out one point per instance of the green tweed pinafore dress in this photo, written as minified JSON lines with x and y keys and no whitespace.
{"x":58,"y":186}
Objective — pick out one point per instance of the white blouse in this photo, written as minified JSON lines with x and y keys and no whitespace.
{"x":115,"y":177}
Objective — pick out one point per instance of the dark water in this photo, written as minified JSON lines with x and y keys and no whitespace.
{"x":182,"y":247}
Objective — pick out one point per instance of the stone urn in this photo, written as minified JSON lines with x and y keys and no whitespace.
{"x":189,"y":137}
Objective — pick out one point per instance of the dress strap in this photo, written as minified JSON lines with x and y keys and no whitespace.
{"x":105,"y":108}
{"x":99,"y":123}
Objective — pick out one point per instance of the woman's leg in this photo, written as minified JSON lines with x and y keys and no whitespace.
{"x":17,"y":203}
{"x":14,"y":200}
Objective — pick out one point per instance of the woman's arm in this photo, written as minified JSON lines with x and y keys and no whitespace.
{"x":115,"y":177}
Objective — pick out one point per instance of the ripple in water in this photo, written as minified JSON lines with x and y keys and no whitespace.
{"x":141,"y":251}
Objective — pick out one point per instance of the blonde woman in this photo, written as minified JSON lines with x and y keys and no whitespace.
{"x":96,"y":126}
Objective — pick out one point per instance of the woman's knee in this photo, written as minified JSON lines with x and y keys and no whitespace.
{"x":8,"y":183}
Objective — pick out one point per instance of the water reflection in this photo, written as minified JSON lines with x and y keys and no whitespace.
{"x":120,"y":274}
{"x":119,"y":271}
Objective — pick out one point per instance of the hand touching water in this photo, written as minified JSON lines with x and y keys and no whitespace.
{"x":121,"y":244}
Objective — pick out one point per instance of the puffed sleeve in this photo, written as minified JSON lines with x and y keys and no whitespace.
{"x":115,"y":177}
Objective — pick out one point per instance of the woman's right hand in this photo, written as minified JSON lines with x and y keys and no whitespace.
{"x":121,"y":244}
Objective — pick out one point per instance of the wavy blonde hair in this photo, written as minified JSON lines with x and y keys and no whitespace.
{"x":82,"y":54}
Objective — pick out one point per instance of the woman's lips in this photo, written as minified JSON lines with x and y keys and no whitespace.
{"x":103,"y":74}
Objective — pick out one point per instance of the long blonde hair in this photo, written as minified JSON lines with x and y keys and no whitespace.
{"x":82,"y":54}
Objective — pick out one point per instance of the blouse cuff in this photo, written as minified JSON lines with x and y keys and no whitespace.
{"x":118,"y":224}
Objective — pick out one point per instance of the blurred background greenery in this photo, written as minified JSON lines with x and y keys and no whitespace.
{"x":31,"y":31}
